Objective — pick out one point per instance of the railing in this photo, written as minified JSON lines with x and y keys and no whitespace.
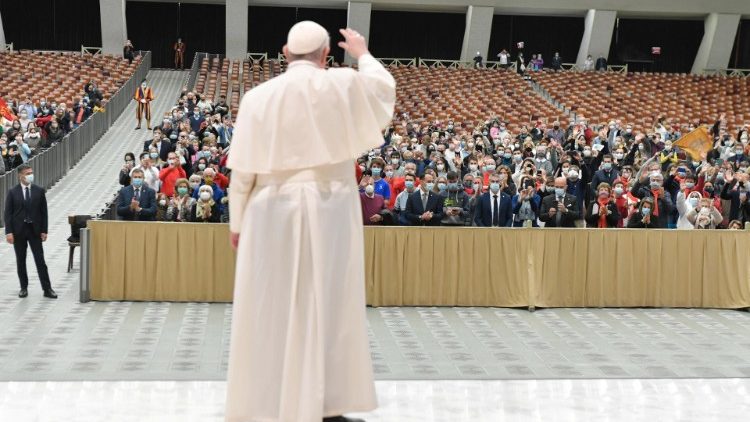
{"x":392,"y":61}
{"x":195,"y":68}
{"x":571,"y":67}
{"x":52,"y":164}
{"x":742,"y":73}
{"x":91,"y":50}
{"x":257,"y":56}
{"x":8,"y":48}
{"x":617,"y":68}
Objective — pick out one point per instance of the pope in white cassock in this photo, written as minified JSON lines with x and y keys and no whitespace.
{"x":299,"y":350}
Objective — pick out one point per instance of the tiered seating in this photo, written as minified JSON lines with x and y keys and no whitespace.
{"x":468,"y":96}
{"x":639,"y":98}
{"x":60,"y":77}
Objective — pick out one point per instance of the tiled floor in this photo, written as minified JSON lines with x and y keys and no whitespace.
{"x":66,"y":340}
{"x":400,"y":401}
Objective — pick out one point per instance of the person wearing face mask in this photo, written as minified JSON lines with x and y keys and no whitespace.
{"x":127,"y":167}
{"x":399,"y":206}
{"x":455,"y":202}
{"x":205,"y":209}
{"x":373,"y":204}
{"x":622,"y":201}
{"x":704,"y":215}
{"x":195,"y":181}
{"x":180,"y":206}
{"x":143,"y":97}
{"x":560,"y":209}
{"x":526,"y":204}
{"x":162,"y":146}
{"x":209,"y":176}
{"x":607,"y":174}
{"x":735,"y":191}
{"x":55,"y":134}
{"x":668,"y":156}
{"x":494,"y":208}
{"x":32,"y":138}
{"x":424,"y":207}
{"x":170,"y":174}
{"x":151,"y":173}
{"x":25,"y":220}
{"x":603,"y":213}
{"x":162,"y":203}
{"x":644,"y":218}
{"x":136,"y":202}
{"x":381,"y":186}
{"x":661,"y":200}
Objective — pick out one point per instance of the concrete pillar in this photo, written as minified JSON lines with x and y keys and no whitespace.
{"x":718,"y":39}
{"x":357,"y":18}
{"x":2,"y":35}
{"x":477,"y":33}
{"x":597,"y":35}
{"x":114,"y":28}
{"x":236,"y":23}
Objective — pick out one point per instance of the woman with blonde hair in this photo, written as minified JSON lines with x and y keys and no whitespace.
{"x":181,"y":205}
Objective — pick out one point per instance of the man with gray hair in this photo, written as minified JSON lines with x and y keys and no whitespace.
{"x":299,"y":350}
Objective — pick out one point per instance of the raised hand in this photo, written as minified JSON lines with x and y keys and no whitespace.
{"x":354,"y":43}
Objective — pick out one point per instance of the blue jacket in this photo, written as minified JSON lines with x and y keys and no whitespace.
{"x":147,"y":203}
{"x":483,"y":217}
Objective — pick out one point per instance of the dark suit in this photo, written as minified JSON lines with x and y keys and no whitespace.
{"x":567,"y":219}
{"x":26,"y":220}
{"x":147,"y":203}
{"x":164,"y":148}
{"x":414,"y":209}
{"x":483,"y":216}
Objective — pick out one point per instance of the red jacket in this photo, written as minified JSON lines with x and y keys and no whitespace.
{"x":168,"y":176}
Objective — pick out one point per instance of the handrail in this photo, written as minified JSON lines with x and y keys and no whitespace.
{"x":395,"y":61}
{"x":742,"y":73}
{"x":7,"y":47}
{"x":91,"y":50}
{"x":571,"y":67}
{"x":257,"y":56}
{"x":617,"y":68}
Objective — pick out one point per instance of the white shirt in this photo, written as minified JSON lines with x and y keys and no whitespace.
{"x":150,"y":177}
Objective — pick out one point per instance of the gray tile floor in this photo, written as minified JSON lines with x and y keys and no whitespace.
{"x":45,"y":340}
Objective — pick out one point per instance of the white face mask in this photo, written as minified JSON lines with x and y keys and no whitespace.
{"x":163,"y":202}
{"x":205,"y":195}
{"x":369,"y":189}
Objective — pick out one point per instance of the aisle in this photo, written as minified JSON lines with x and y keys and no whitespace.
{"x":87,"y":187}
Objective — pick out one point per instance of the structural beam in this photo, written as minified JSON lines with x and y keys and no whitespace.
{"x":597,"y":34}
{"x":358,"y":18}
{"x":114,"y":28}
{"x":718,"y":39}
{"x":477,"y":33}
{"x":236,"y":29}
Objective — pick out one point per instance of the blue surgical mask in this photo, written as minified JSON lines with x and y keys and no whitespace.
{"x":30,"y":178}
{"x":645,"y":211}
{"x":429,"y":186}
{"x":507,"y":155}
{"x":559,"y":192}
{"x":453,"y":186}
{"x":442,"y":187}
{"x":489,"y":168}
{"x":495,"y":187}
{"x":375,"y":171}
{"x":606,"y":166}
{"x":689,"y":185}
{"x":409,"y":184}
{"x":693,"y":202}
{"x":137,"y":182}
{"x":655,"y":185}
{"x":154,"y":155}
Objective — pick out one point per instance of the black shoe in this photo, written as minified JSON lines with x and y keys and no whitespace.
{"x":341,"y":419}
{"x":50,"y":294}
{"x":137,"y":127}
{"x":23,"y":293}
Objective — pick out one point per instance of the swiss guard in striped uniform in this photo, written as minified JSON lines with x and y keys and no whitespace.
{"x":143,"y":95}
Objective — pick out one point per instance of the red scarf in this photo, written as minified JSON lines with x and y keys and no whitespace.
{"x":602,"y":217}
{"x":656,"y":202}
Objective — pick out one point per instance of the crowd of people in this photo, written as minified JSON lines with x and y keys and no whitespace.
{"x":584,"y":175}
{"x":537,"y":64}
{"x":180,"y":174}
{"x":38,"y":125}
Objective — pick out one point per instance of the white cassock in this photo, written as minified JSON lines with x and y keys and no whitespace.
{"x":299,"y":348}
